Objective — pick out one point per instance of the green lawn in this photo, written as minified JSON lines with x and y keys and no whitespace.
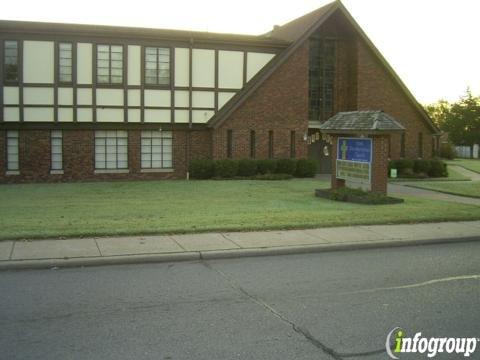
{"x":471,"y":189}
{"x":121,"y":208}
{"x":470,"y":164}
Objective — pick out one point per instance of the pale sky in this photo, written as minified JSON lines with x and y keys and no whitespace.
{"x":433,"y":45}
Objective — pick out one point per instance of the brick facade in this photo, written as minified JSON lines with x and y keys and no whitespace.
{"x":79,"y":156}
{"x":279,"y":105}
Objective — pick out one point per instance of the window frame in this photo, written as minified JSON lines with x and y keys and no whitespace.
{"x":8,"y":137}
{"x":157,"y":68}
{"x":270,"y":144}
{"x":403,"y":139}
{"x":106,"y":153}
{"x":109,"y":82}
{"x":5,"y":80}
{"x":54,"y":135}
{"x":253,"y":144}
{"x":420,"y":145}
{"x":229,"y":144}
{"x":59,"y":65}
{"x":162,"y":137}
{"x":292,"y":144}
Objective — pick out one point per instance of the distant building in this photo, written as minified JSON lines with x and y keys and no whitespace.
{"x":83,"y":102}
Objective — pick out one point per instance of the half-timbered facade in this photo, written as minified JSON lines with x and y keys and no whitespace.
{"x":83,"y":102}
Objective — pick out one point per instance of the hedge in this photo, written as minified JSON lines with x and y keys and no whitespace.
{"x":419,"y":168}
{"x":264,"y":169}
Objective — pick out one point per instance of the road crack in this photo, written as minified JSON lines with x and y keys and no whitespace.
{"x":299,"y":330}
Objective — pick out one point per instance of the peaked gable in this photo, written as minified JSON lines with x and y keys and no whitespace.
{"x":298,"y":31}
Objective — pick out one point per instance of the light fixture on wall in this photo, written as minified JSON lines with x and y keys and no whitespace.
{"x":305,"y":136}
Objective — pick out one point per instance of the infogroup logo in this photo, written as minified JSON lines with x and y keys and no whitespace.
{"x":397,"y":343}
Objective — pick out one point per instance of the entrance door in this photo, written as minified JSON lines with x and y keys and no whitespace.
{"x":320,"y":151}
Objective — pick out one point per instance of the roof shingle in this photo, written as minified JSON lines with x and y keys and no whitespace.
{"x":362,"y":121}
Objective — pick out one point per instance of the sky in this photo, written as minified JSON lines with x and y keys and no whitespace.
{"x":433,"y":45}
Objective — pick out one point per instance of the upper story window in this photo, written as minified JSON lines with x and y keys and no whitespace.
{"x":10,"y":61}
{"x":157,"y":66}
{"x":65,"y":62}
{"x":109,"y":64}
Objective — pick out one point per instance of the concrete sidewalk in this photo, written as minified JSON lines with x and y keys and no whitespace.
{"x":136,"y":249}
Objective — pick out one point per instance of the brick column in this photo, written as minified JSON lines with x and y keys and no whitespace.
{"x":335,"y":183}
{"x":380,"y":164}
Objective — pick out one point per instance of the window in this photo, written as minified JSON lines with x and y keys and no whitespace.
{"x":292,"y":144}
{"x":65,"y":62}
{"x":56,"y":142}
{"x":157,"y":66}
{"x":420,"y":145}
{"x":270,"y":144}
{"x":109,"y":64}
{"x":321,"y":79}
{"x":12,"y":151}
{"x":402,"y":146}
{"x":252,"y":144}
{"x":229,"y":143}
{"x":111,"y":149}
{"x":389,"y":140}
{"x":11,"y":61}
{"x":157,"y":149}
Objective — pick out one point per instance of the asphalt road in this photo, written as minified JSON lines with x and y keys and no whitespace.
{"x":338,"y":305}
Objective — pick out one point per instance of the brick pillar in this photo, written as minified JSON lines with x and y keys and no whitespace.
{"x":380,"y":164}
{"x":335,"y":183}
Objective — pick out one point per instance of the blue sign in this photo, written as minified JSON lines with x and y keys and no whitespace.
{"x":355,"y":149}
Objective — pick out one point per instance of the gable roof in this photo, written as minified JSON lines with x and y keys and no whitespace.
{"x":297,"y":31}
{"x":361,"y":121}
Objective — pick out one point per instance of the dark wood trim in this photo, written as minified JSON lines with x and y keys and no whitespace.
{"x":94,"y":82}
{"x":56,"y":76}
{"x":98,"y":126}
{"x":20,"y":80}
{"x":172,"y":86}
{"x":215,"y":100}
{"x":142,"y":84}
{"x":190,"y":82}
{"x":74,"y":79}
{"x":2,"y":70}
{"x":125,"y":82}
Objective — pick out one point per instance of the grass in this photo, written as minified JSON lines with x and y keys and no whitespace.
{"x":470,"y":164}
{"x":452,"y":176}
{"x":470,"y":189}
{"x":125,"y":208}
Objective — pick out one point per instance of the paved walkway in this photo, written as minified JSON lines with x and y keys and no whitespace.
{"x":474,"y":176}
{"x":118,"y":250}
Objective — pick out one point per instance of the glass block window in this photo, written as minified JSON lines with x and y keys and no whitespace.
{"x":111,"y":149}
{"x":56,"y":145}
{"x":157,"y":66}
{"x":65,"y":62}
{"x":110,"y":64}
{"x":12,"y":150}
{"x":10,"y":61}
{"x":157,"y":149}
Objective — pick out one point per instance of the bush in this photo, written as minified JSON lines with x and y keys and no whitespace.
{"x":247,"y":167}
{"x":447,"y":151}
{"x":421,"y":166}
{"x":201,"y":169}
{"x":437,"y":168}
{"x":306,"y":168}
{"x":266,"y":166}
{"x":403,"y":166}
{"x":273,"y":177}
{"x":286,"y":166}
{"x":226,"y":168}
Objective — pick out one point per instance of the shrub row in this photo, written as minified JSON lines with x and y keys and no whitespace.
{"x":419,"y":168}
{"x":249,"y":168}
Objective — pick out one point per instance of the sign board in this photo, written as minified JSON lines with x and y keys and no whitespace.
{"x":354,"y":159}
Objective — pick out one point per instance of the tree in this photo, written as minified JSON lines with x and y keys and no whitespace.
{"x":461,"y":119}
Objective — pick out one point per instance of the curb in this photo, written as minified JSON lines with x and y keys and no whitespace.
{"x":222,"y":254}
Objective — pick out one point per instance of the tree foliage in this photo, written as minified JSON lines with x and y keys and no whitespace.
{"x":461,"y":119}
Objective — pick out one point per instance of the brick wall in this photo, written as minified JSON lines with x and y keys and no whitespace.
{"x":279,"y":104}
{"x":79,"y":156}
{"x":378,"y":91}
